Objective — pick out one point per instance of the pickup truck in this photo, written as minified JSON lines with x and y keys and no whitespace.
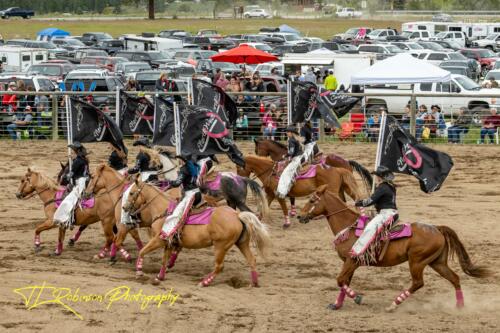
{"x":459,"y":85}
{"x":16,"y":11}
{"x":348,"y":13}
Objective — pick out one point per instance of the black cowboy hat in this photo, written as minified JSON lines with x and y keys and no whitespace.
{"x":142,"y":142}
{"x":182,"y":158}
{"x":384,"y":173}
{"x":78,"y":148}
{"x":293,"y":129}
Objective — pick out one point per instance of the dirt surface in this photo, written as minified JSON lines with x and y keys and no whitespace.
{"x":297,"y":280}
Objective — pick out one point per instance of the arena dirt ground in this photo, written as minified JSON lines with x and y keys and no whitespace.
{"x":297,"y":280}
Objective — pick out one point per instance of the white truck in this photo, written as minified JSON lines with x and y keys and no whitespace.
{"x":18,"y":59}
{"x":348,"y":12}
{"x":140,"y":43}
{"x":459,"y":85}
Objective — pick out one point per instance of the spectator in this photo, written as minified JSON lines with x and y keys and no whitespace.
{"x":269,"y":122}
{"x":217,"y":76}
{"x":310,"y":76}
{"x":494,"y":83}
{"x":43,"y":112}
{"x":406,"y":118}
{"x":490,"y":125}
{"x":166,"y":85}
{"x":331,"y":81}
{"x":204,"y":76}
{"x":222,"y":82}
{"x":373,"y":127}
{"x":420,"y":121}
{"x":234,"y":85}
{"x":459,"y":127}
{"x":20,"y":121}
{"x":274,"y":71}
{"x":256,"y":85}
{"x":242,"y":124}
{"x":9,"y":101}
{"x":131,"y":85}
{"x":440,"y":123}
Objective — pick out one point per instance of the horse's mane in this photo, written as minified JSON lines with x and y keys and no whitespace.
{"x":165,"y":152}
{"x":45,"y":181}
{"x":154,"y":155}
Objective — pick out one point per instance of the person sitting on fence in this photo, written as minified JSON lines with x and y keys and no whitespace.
{"x":459,"y":127}
{"x":20,"y":122}
{"x":269,"y":122}
{"x":490,"y":125}
{"x":166,"y":85}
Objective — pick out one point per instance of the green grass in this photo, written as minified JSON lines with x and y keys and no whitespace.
{"x":324,"y":28}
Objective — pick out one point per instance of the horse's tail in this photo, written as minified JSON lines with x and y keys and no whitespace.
{"x":363,"y":173}
{"x":260,"y":197}
{"x":349,"y":184}
{"x":259,"y":235}
{"x":455,"y":246}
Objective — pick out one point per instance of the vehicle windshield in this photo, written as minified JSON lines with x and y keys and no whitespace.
{"x":347,"y":47}
{"x":454,"y":45}
{"x":104,"y":36}
{"x":493,"y":76}
{"x":467,"y":83}
{"x":433,"y":46}
{"x":263,"y":47}
{"x":375,"y":33}
{"x":406,"y":34}
{"x":75,"y":42}
{"x":486,"y":54}
{"x":492,"y":36}
{"x":414,"y":46}
{"x":225,"y":65}
{"x":291,"y":38}
{"x":442,"y":34}
{"x":207,"y":54}
{"x":45,"y":70}
{"x":158,"y":55}
{"x":457,"y":56}
{"x":147,"y":76}
{"x":352,"y":31}
{"x":136,"y":68}
{"x":47,"y":45}
{"x":394,"y":49}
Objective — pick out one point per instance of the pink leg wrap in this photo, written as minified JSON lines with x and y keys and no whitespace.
{"x":37,"y":240}
{"x":139,"y":245}
{"x":161,"y":275}
{"x":402,"y":297}
{"x":138,"y":264}
{"x":287,"y":222}
{"x":340,"y":298}
{"x":103,"y":252}
{"x":76,"y":236}
{"x":207,"y":280}
{"x":293,"y":211}
{"x":460,"y":298}
{"x":112,"y":253}
{"x":125,"y":254}
{"x":255,"y":278}
{"x":172,"y":259}
{"x":59,"y":248}
{"x":351,"y":293}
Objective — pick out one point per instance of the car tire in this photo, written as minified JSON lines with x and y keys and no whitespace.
{"x":247,"y":16}
{"x":489,"y":47}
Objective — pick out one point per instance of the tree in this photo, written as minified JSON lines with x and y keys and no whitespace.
{"x":151,"y":9}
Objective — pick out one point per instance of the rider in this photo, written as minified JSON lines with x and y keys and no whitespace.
{"x":310,"y":146}
{"x":77,"y":178}
{"x":205,"y":166}
{"x":295,"y":157}
{"x":147,"y":161}
{"x":118,"y":160}
{"x":384,"y":199}
{"x":186,"y":177}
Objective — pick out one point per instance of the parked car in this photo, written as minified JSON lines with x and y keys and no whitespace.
{"x":259,"y":46}
{"x":169,"y":33}
{"x":254,"y":38}
{"x":257,"y":13}
{"x":153,"y":58}
{"x":416,"y":35}
{"x":208,"y":33}
{"x":210,"y":67}
{"x":342,"y":47}
{"x":433,"y":46}
{"x":472,"y":72}
{"x":288,"y":38}
{"x":49,"y":46}
{"x":490,"y":42}
{"x":38,"y":82}
{"x":193,"y":56}
{"x":408,"y":46}
{"x":314,"y":42}
{"x":108,"y":63}
{"x":54,"y":71}
{"x":201,"y":42}
{"x":70,"y":44}
{"x":380,"y":34}
{"x":492,"y":75}
{"x":456,"y":36}
{"x":459,"y":70}
{"x":449,"y":44}
{"x":16,"y":12}
{"x":379,"y":48}
{"x":111,"y":46}
{"x":265,"y":68}
{"x":348,"y":13}
{"x":352,"y":33}
{"x":93,"y":38}
{"x":84,"y":53}
{"x":126,"y":69}
{"x":485,"y":57}
{"x":147,"y":81}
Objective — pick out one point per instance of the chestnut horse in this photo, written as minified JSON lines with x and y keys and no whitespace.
{"x":225,"y":228}
{"x":429,"y":245}
{"x":338,"y":180}
{"x":36,"y":183}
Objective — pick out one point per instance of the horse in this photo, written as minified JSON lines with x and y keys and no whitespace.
{"x":226,"y":227}
{"x":35,"y":183}
{"x":232,"y":189}
{"x":339,"y":180}
{"x":276,"y":150}
{"x":428,"y":245}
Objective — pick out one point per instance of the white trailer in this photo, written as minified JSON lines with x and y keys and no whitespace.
{"x":473,"y":31}
{"x":18,"y":59}
{"x":139,"y":43}
{"x":343,"y":65}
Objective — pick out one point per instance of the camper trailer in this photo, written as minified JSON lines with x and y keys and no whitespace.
{"x":18,"y":59}
{"x":141,"y":43}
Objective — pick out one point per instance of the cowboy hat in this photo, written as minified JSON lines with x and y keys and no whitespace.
{"x":292,"y":129}
{"x":78,"y":148}
{"x":384,"y":173}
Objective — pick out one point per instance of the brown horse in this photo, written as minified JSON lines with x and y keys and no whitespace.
{"x":36,"y":183}
{"x":225,"y":229}
{"x":276,"y":150}
{"x":429,"y":245}
{"x":338,"y":180}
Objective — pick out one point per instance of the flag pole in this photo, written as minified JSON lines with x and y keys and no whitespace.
{"x":379,"y":143}
{"x":190,"y":91}
{"x":117,"y":111}
{"x":177,"y":130}
{"x":289,"y":101}
{"x":69,"y":129}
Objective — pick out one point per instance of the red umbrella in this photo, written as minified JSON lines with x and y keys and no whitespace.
{"x":244,"y":54}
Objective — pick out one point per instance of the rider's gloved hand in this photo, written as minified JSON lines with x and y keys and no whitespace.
{"x":359,"y":203}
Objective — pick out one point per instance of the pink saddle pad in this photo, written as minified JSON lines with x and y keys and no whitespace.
{"x":310,"y":173}
{"x":87,"y":203}
{"x":194,"y":219}
{"x":401,"y":233}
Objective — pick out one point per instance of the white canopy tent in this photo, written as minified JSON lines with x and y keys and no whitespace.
{"x":401,"y":69}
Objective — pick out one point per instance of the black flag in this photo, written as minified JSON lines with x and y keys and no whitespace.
{"x":203,"y":132}
{"x":89,"y":124}
{"x":339,"y":103}
{"x":136,"y":114}
{"x":400,"y":152}
{"x":164,"y":128}
{"x":213,"y":97}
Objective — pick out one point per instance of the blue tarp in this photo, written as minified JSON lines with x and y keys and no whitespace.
{"x":287,"y":28}
{"x":51,"y":32}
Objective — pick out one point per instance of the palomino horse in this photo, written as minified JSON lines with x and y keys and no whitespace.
{"x":225,"y":228}
{"x":429,"y":245}
{"x":36,"y":183}
{"x":276,"y":150}
{"x":338,"y":180}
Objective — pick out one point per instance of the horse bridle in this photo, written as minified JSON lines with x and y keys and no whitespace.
{"x":32,"y":194}
{"x":136,"y":196}
{"x":107,"y":191}
{"x":314,"y":200}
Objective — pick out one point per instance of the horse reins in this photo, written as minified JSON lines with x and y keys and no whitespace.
{"x":140,"y":209}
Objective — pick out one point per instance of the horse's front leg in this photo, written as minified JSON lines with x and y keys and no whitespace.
{"x":117,"y":244}
{"x":167,"y":252}
{"x":77,"y":235}
{"x":60,"y":241}
{"x":46,"y":225}
{"x":293,"y":210}
{"x":284,"y":208}
{"x":153,"y":244}
{"x":343,"y":281}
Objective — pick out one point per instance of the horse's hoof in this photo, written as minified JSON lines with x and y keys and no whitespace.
{"x":391,"y":308}
{"x":333,"y":306}
{"x":38,"y":249}
{"x":139,"y":274}
{"x":71,"y":242}
{"x":286,"y":225}
{"x":358,"y":299}
{"x":156,"y":281}
{"x":55,"y":254}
